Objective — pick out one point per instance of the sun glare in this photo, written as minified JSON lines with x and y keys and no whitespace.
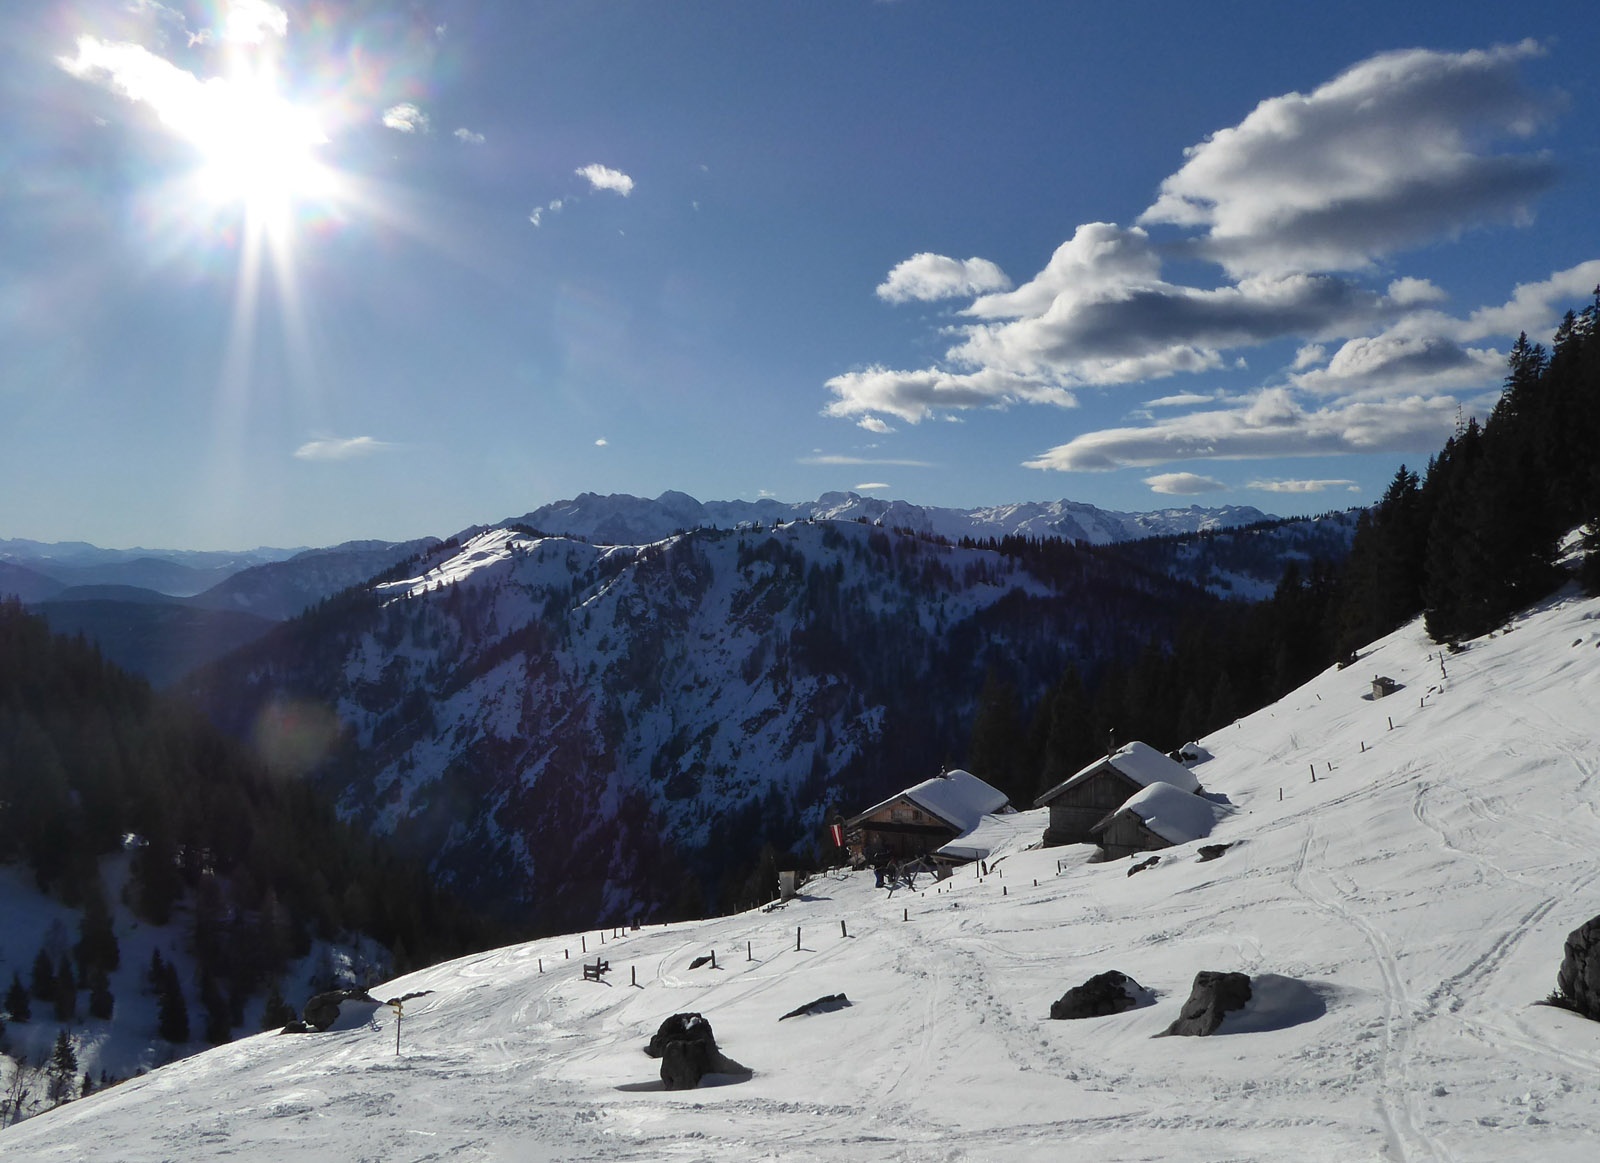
{"x":258,"y":149}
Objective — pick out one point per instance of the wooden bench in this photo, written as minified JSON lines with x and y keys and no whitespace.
{"x":596,"y":971}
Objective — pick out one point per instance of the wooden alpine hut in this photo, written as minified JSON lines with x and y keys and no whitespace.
{"x":920,"y":819}
{"x":1156,"y":817}
{"x":1080,"y":802}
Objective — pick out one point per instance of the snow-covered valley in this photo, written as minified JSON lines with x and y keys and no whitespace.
{"x":1418,"y":890}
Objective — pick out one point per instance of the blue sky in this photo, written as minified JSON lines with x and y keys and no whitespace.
{"x":296,"y":273}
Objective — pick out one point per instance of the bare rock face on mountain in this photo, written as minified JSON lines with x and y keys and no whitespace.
{"x":1104,"y":993}
{"x":1213,"y":997}
{"x":1578,"y":981}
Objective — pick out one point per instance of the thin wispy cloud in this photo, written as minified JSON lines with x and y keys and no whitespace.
{"x":468,"y":137}
{"x":871,"y":487}
{"x":405,"y":118}
{"x":341,"y":448}
{"x":602,"y":442}
{"x":1303,"y":486}
{"x":602,"y":177}
{"x":1272,"y":424}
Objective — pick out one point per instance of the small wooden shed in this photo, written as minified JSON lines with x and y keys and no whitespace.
{"x":1079,"y":803}
{"x":920,"y":819}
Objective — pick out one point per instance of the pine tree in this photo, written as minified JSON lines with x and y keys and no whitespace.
{"x":172,"y":1022}
{"x":18,"y":1004}
{"x":101,"y":1001}
{"x":62,"y":1073}
{"x":66,"y":998}
{"x":42,"y":983}
{"x":97,"y":942}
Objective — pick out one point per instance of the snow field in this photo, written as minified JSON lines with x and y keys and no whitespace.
{"x":1419,"y":892}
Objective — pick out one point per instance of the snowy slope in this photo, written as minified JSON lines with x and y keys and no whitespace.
{"x":1419,"y":889}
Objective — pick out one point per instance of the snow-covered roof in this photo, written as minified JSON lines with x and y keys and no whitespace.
{"x":1172,"y":813}
{"x":996,"y":835}
{"x":1140,"y":762}
{"x":957,"y":797}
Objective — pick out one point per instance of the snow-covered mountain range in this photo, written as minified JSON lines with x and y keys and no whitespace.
{"x":620,"y":519}
{"x":1401,"y":876}
{"x":572,"y":731}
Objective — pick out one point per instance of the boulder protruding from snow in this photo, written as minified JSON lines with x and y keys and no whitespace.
{"x":680,"y":1028}
{"x":688,"y":1052}
{"x":325,"y":1010}
{"x":1105,"y":993}
{"x":823,"y":1005}
{"x":1213,"y":996}
{"x":1578,"y":981}
{"x":685,"y":1063}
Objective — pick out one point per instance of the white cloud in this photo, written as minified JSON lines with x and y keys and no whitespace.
{"x":873,"y":424}
{"x":915,"y":395}
{"x":1385,"y":155}
{"x":602,"y":177}
{"x":1410,"y":292}
{"x":1304,"y":486}
{"x":602,"y":442}
{"x":928,"y":277}
{"x":1310,"y":355}
{"x":210,"y":114}
{"x":1271,"y":424}
{"x":405,"y":118}
{"x":1533,"y":307}
{"x":1183,"y":484}
{"x":252,"y":21}
{"x":536,"y":215}
{"x":1380,"y":365}
{"x":871,"y":486}
{"x":335,"y":448}
{"x":1182,"y":400}
{"x":1297,"y":204}
{"x":468,"y":137}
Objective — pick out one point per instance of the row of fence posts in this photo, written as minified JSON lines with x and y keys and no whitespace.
{"x":1422,"y":702}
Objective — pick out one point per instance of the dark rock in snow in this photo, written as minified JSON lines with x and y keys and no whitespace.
{"x":688,"y":1051}
{"x":823,"y":1005}
{"x":1578,"y":981}
{"x":704,"y":959}
{"x":1144,"y":864}
{"x":323,"y":1010}
{"x":1104,"y":993}
{"x":685,"y":1063}
{"x":1213,"y":996}
{"x":1212,"y":851}
{"x":680,"y":1028}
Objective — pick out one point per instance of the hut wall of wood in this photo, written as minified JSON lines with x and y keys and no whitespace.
{"x":902,"y":829}
{"x":1075,"y":812}
{"x":1125,"y":834}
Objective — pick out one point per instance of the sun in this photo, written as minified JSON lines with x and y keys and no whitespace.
{"x":257,"y":148}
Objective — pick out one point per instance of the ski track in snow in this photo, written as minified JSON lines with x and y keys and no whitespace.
{"x":1421,"y":887}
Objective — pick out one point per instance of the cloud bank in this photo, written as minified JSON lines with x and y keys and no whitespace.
{"x":1296,"y":209}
